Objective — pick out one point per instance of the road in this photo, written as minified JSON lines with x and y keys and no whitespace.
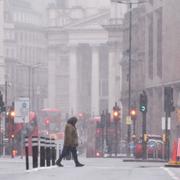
{"x":95,"y":169}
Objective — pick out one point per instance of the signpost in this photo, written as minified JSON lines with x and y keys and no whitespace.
{"x":22,"y":116}
{"x":22,"y":110}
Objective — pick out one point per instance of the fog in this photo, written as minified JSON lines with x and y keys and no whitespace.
{"x":88,"y":58}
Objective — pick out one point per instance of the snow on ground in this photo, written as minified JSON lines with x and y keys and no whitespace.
{"x":94,"y":169}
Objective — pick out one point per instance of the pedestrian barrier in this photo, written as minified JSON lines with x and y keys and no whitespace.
{"x":43,"y":150}
{"x":26,"y":153}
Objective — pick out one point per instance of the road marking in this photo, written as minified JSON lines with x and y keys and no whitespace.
{"x":170,"y":173}
{"x":40,"y":168}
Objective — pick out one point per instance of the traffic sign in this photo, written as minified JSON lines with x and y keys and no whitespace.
{"x":128,"y":120}
{"x":22,"y":110}
{"x":164,"y":123}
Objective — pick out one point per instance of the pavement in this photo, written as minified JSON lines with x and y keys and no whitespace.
{"x":143,"y":160}
{"x":94,"y":169}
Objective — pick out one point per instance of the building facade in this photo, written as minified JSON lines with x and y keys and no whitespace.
{"x":25,"y":54}
{"x":154,"y":61}
{"x":84,"y":75}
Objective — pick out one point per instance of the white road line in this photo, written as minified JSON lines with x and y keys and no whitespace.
{"x":41,"y":168}
{"x":170,"y":173}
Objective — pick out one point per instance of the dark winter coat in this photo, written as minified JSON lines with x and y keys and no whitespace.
{"x":70,"y":135}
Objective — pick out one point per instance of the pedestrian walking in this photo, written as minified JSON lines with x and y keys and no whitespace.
{"x":70,"y":142}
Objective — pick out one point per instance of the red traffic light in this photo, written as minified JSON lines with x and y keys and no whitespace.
{"x":12,"y":136}
{"x":46,"y":122}
{"x":133,"y":112}
{"x":12,"y":113}
{"x":115,"y":113}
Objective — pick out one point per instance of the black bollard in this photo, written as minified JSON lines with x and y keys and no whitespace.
{"x":27,"y":153}
{"x":53,"y":151}
{"x":35,"y":151}
{"x":48,"y":159}
{"x":42,"y":151}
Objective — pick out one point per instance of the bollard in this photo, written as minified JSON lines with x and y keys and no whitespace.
{"x":35,"y":151}
{"x":53,"y":151}
{"x":27,"y":153}
{"x":42,"y":151}
{"x":48,"y":161}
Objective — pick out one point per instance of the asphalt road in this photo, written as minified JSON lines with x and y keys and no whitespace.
{"x":95,"y":169}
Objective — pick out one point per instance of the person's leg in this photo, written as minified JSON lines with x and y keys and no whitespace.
{"x":75,"y":157}
{"x":65,"y":151}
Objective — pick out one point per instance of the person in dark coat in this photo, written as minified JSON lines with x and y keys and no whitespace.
{"x":70,"y":142}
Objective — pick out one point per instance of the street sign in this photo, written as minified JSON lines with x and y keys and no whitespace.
{"x":22,"y":110}
{"x":164,"y":123}
{"x":128,"y":120}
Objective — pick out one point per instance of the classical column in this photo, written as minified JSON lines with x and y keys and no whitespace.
{"x":52,"y":79}
{"x":73,"y":80}
{"x":95,"y":81}
{"x":112,"y":78}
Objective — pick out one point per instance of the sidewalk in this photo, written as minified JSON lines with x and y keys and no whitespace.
{"x":143,"y":160}
{"x":10,"y":165}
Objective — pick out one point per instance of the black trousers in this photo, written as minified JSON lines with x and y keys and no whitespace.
{"x":66,"y":150}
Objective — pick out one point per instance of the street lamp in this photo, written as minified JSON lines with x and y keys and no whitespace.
{"x":130,"y":3}
{"x":30,"y":67}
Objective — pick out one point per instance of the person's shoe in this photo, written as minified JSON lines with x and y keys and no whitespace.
{"x":59,"y":164}
{"x":79,"y":165}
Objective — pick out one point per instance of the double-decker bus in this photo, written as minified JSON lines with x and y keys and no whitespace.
{"x":49,"y":123}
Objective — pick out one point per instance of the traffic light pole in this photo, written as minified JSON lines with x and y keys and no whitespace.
{"x":144,"y":143}
{"x":129,"y":78}
{"x":167,"y":134}
{"x":116,"y":138}
{"x":168,"y":108}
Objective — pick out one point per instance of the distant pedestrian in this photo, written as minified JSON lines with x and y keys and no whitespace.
{"x":70,"y":142}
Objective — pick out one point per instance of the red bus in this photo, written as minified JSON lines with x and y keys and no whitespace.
{"x":49,"y":123}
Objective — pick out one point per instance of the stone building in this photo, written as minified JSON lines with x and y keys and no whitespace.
{"x":155,"y":42}
{"x":24,"y":53}
{"x":84,"y":75}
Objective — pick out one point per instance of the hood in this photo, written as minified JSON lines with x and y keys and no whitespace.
{"x":72,"y":120}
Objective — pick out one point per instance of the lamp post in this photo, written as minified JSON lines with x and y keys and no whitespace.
{"x":130,"y":3}
{"x":30,"y":68}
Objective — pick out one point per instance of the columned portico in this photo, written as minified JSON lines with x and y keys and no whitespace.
{"x":95,"y":81}
{"x":112,"y":76}
{"x":52,"y":80}
{"x":73,"y":96}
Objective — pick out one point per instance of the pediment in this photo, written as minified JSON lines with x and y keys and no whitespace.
{"x":94,"y":22}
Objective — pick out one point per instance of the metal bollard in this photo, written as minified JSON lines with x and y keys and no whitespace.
{"x":53,"y":151}
{"x":42,"y":151}
{"x":27,"y":153}
{"x":48,"y":152}
{"x":35,"y":151}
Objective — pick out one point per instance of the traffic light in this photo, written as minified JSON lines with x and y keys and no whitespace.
{"x":12,"y":136}
{"x":2,"y":108}
{"x":133,"y":113}
{"x":46,"y":122}
{"x":168,"y":99}
{"x":116,"y":112}
{"x":11,"y":114}
{"x":143,"y":102}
